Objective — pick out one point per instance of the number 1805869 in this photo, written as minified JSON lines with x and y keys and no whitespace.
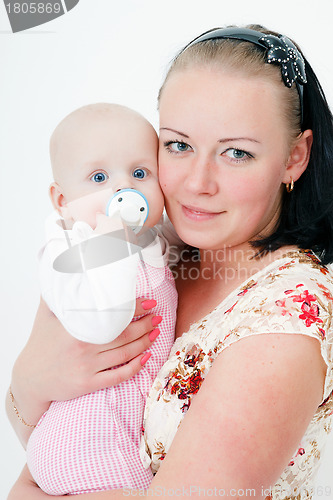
{"x":33,"y":8}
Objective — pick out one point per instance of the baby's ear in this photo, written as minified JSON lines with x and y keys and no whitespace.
{"x":58,"y":200}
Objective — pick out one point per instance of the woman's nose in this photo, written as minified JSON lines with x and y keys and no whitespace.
{"x":201,"y":177}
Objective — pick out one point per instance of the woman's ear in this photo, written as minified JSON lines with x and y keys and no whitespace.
{"x":58,"y":200}
{"x":299,"y":157}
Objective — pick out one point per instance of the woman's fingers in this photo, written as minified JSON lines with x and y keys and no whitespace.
{"x":131,"y":343}
{"x":143,"y":305}
{"x":57,"y":366}
{"x":136,"y":328}
{"x":109,"y":378}
{"x":132,"y":332}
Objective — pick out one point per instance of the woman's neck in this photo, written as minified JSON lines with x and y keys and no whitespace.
{"x":229,"y":264}
{"x":205,"y":280}
{"x":236,"y":264}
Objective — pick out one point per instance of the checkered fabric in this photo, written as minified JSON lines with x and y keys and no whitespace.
{"x":91,"y":443}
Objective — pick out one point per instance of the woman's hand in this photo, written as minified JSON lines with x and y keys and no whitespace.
{"x":55,"y":366}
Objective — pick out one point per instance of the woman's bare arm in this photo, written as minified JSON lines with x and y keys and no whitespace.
{"x":248,"y":417}
{"x":243,"y":425}
{"x":54,"y":366}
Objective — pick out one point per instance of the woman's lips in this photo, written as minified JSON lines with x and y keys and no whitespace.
{"x":198,"y":214}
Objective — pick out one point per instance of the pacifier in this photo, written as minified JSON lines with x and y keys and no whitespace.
{"x":132,"y":207}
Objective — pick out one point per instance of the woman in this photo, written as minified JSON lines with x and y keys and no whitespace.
{"x":246,"y":153}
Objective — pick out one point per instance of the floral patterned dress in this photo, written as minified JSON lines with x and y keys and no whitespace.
{"x":294,"y":294}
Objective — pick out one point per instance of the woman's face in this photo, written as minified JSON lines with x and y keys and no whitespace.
{"x":223,"y":156}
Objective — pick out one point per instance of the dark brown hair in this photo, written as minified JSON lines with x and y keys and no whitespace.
{"x":306,"y":217}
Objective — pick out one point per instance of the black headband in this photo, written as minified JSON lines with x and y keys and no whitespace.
{"x":279,"y":50}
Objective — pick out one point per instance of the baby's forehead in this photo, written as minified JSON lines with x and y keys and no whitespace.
{"x":91,"y":127}
{"x":92,"y":117}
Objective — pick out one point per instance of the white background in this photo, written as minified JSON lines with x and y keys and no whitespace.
{"x":102,"y":50}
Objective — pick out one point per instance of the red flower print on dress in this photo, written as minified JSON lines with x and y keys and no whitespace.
{"x":231,"y":308}
{"x":323,"y":269}
{"x":310,"y":314}
{"x":247,"y":287}
{"x":187,"y":386}
{"x":322,"y":333}
{"x":304,"y":297}
{"x":326,"y":291}
{"x":287,"y":265}
{"x":300,"y":452}
{"x":282,"y":303}
{"x":185,"y":407}
{"x":194,"y":356}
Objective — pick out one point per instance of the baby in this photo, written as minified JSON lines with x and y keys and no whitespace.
{"x":92,"y":268}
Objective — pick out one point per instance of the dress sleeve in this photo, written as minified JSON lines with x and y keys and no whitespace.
{"x":289,"y":302}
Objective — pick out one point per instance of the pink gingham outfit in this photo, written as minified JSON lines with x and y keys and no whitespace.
{"x":91,"y":443}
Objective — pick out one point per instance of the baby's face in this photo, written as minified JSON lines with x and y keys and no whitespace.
{"x":99,"y":154}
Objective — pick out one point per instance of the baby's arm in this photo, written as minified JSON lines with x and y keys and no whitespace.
{"x":25,"y":488}
{"x":54,"y":366}
{"x":94,"y":305}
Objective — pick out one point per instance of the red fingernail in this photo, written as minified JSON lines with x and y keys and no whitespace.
{"x":148,"y":304}
{"x":154,"y":334}
{"x":145,"y":358}
{"x":156,"y":320}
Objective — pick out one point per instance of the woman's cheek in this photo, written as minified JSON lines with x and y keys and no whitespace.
{"x":167,"y":178}
{"x":245,"y":189}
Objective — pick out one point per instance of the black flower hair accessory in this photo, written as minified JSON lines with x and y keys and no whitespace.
{"x":283,"y":52}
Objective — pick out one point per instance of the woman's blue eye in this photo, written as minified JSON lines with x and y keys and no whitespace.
{"x":139,"y":173}
{"x":99,"y":177}
{"x":177,"y":146}
{"x":180,"y":147}
{"x":237,"y":154}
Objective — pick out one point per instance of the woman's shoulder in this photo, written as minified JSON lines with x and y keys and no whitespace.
{"x":307,"y":259}
{"x":298,"y":271}
{"x":296,"y":283}
{"x":293,"y":294}
{"x":290,"y":270}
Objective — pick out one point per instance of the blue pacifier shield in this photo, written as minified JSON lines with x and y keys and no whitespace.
{"x":131,"y":205}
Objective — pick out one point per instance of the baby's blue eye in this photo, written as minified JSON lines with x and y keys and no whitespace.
{"x":139,"y":173}
{"x":99,"y":177}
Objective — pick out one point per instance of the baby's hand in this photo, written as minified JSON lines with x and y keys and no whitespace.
{"x":106,"y":224}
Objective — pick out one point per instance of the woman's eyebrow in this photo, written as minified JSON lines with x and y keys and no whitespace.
{"x":230,"y":139}
{"x":176,"y":131}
